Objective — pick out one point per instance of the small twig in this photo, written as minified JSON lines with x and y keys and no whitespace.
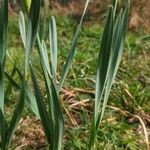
{"x":144,"y":130}
{"x":88,"y":91}
{"x":73,"y":121}
{"x":82,"y":102}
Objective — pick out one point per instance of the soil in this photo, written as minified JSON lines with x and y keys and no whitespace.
{"x":139,"y":16}
{"x":29,"y":135}
{"x":97,"y":9}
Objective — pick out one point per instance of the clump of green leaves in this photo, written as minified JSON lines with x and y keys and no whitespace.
{"x":7,"y":129}
{"x":52,"y":118}
{"x":108,"y":62}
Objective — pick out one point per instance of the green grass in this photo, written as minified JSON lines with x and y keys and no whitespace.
{"x":131,"y":87}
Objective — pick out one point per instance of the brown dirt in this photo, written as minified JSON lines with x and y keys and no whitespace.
{"x":29,"y":135}
{"x":139,"y":16}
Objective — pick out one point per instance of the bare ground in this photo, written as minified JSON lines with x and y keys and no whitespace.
{"x":139,"y":16}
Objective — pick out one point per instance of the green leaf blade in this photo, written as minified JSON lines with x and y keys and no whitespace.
{"x":16,"y":117}
{"x":22,"y":28}
{"x":3,"y":47}
{"x":53,"y":46}
{"x":31,"y":30}
{"x":72,"y":48}
{"x":41,"y":106}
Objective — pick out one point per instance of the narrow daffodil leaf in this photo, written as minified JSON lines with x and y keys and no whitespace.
{"x":45,"y":57}
{"x":30,"y":98}
{"x":101,"y":77}
{"x":117,"y":50}
{"x":53,"y":46}
{"x":55,"y":114}
{"x":72,"y":48}
{"x":22,"y":28}
{"x":45,"y":120}
{"x":3,"y":128}
{"x":31,"y":101}
{"x":103,"y":62}
{"x":16,"y":117}
{"x":3,"y":29}
{"x":9,"y":86}
{"x":34,"y":18}
{"x":58,"y":117}
{"x":114,"y":3}
{"x":32,"y":29}
{"x":109,"y":59}
{"x":3,"y":45}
